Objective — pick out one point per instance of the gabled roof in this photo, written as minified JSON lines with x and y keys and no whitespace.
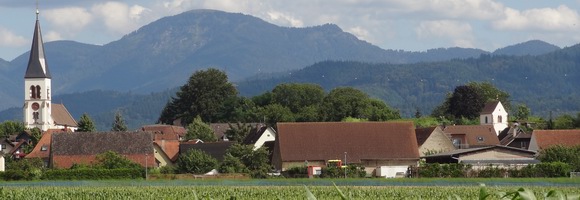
{"x":475,"y":135}
{"x":215,"y":149}
{"x":547,"y":138}
{"x":42,"y":148}
{"x":489,"y":107}
{"x":61,"y":116}
{"x":37,"y":66}
{"x":82,"y":147}
{"x":255,"y":134}
{"x":423,"y":133}
{"x":165,"y":132}
{"x":170,"y":147}
{"x":360,"y":141}
{"x":458,"y":152}
{"x":507,"y":135}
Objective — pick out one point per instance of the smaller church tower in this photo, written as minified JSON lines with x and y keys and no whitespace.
{"x":37,"y":86}
{"x":494,"y":113}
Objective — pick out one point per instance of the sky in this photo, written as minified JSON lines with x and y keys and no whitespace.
{"x":412,"y":25}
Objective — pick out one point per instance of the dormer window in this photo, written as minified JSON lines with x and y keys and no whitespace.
{"x":480,"y":139}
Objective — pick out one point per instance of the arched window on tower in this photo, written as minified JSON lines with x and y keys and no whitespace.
{"x":32,"y":92}
{"x":38,"y":91}
{"x":499,"y":119}
{"x":486,"y":120}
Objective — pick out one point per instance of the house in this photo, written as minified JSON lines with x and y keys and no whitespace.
{"x":433,"y":140}
{"x":370,"y":144}
{"x":67,"y":149}
{"x":42,"y":148}
{"x":13,"y":145}
{"x":216,"y":150}
{"x":542,"y":139}
{"x":482,"y":157}
{"x":493,"y":113}
{"x":39,"y":112}
{"x":515,"y":136}
{"x":166,"y":140}
{"x":259,"y":136}
{"x":471,"y":136}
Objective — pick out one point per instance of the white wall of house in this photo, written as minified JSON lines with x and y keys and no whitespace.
{"x":268,"y":135}
{"x":2,"y":163}
{"x":533,"y":144}
{"x":437,"y":142}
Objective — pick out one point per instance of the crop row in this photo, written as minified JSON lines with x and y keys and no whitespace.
{"x":257,"y":192}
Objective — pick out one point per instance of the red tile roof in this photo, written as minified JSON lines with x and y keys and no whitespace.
{"x":61,"y":116}
{"x":165,"y":132}
{"x":475,"y":135}
{"x":547,"y":138}
{"x":360,"y":141}
{"x":44,"y":143}
{"x":170,"y":147}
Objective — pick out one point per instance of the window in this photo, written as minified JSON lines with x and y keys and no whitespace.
{"x":457,"y":143}
{"x":480,"y":139}
{"x":32,"y":92}
{"x":43,"y":148}
{"x":38,"y":91}
{"x":499,"y":119}
{"x":486,"y":120}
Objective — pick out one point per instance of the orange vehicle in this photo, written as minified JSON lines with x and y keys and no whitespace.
{"x":334,"y":163}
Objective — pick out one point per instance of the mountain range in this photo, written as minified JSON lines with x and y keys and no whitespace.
{"x":160,"y":56}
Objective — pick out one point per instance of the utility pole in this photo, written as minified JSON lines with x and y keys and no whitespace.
{"x":146,"y":155}
{"x":345,"y":166}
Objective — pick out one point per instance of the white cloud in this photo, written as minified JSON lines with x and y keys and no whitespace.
{"x":69,"y":19}
{"x":359,"y":32}
{"x":459,"y":33}
{"x":51,"y":36}
{"x":283,"y":19}
{"x":119,"y":17}
{"x":9,"y":39}
{"x":561,"y":18}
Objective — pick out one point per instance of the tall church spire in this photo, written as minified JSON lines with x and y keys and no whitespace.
{"x":37,"y":67}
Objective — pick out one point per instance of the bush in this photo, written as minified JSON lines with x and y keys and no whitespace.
{"x":492,"y":171}
{"x":296,"y":172}
{"x":553,"y":169}
{"x":444,"y":170}
{"x":196,"y":161}
{"x":167,"y":169}
{"x":92,"y":174}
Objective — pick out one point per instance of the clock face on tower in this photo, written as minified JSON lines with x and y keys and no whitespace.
{"x":35,"y":106}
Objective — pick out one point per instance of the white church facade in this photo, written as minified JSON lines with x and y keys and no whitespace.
{"x":494,"y":113}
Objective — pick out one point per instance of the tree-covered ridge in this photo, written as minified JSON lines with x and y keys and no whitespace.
{"x":545,"y":83}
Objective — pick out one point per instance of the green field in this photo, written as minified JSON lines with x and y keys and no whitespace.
{"x":280,"y":188}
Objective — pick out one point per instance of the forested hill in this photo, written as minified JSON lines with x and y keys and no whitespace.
{"x":532,"y":47}
{"x":549,"y":82}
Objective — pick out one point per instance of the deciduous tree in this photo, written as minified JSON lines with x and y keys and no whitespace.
{"x":196,"y":161}
{"x":200,"y":130}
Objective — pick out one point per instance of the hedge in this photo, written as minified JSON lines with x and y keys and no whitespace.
{"x":92,"y":174}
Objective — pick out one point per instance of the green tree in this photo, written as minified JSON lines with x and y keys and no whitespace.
{"x":522,"y":112}
{"x":256,"y":161}
{"x":465,"y":102}
{"x":238,"y":132}
{"x":200,"y":130}
{"x":119,"y":123}
{"x":564,"y":122}
{"x":231,"y":164}
{"x":275,"y":113}
{"x":490,"y":93}
{"x":344,"y":102}
{"x":86,"y":124}
{"x":568,"y":155}
{"x":114,"y":160}
{"x":377,"y":110}
{"x":10,"y":127}
{"x":297,"y":96}
{"x":205,"y":94}
{"x":196,"y":161}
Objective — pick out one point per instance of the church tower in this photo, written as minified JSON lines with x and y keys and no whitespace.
{"x":37,"y":86}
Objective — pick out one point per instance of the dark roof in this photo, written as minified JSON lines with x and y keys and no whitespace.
{"x":489,"y":107}
{"x":423,"y":133}
{"x":61,"y":116}
{"x":165,"y":132}
{"x":507,"y":135}
{"x":254,"y":135}
{"x":37,"y":65}
{"x":219,"y":129}
{"x":215,"y":149}
{"x":509,"y":162}
{"x":360,"y":141}
{"x":92,"y":143}
{"x":547,"y":138}
{"x":474,"y":134}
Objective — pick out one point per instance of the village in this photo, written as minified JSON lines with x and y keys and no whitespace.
{"x":391,"y":149}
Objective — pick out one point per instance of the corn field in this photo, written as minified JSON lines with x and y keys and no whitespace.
{"x":265,"y":192}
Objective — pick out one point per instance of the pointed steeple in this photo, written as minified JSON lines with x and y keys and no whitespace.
{"x":37,"y":67}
